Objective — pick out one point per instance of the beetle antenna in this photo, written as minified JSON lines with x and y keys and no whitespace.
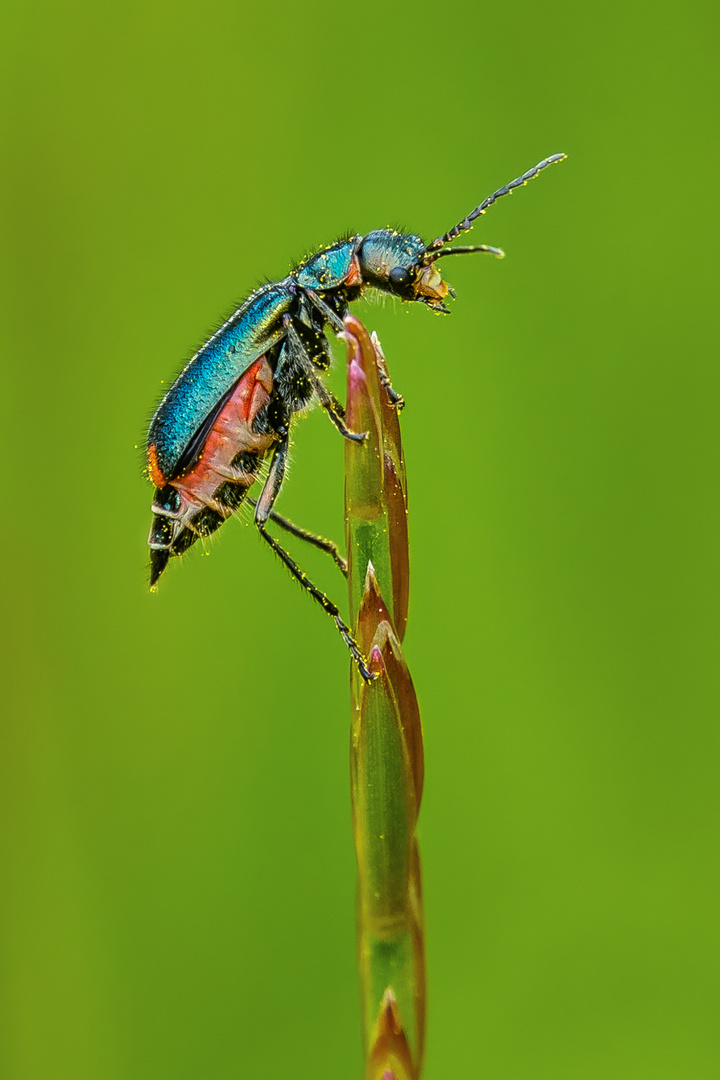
{"x":466,"y":223}
{"x":464,"y":251}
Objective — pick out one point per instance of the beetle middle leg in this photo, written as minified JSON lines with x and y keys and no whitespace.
{"x":263,"y":510}
{"x":334,"y":410}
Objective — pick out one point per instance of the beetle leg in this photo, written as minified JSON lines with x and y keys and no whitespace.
{"x":337,"y":406}
{"x":327,"y":399}
{"x":329,"y":407}
{"x":396,"y":399}
{"x":263,"y":510}
{"x":325,"y":310}
{"x":311,"y":538}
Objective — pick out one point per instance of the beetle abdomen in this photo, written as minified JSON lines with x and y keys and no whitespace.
{"x":195,"y":503}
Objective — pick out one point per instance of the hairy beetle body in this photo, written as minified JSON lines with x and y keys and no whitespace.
{"x":231,"y":407}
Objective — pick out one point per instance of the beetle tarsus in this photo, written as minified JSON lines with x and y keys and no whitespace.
{"x":339,"y":423}
{"x":395,"y":399}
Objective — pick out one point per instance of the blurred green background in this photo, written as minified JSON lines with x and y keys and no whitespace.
{"x":177,"y":866}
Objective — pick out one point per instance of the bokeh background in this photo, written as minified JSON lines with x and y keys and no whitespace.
{"x":177,"y":865}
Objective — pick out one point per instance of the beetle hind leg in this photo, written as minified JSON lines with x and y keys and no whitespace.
{"x":311,"y":538}
{"x":263,"y":511}
{"x":325,"y":602}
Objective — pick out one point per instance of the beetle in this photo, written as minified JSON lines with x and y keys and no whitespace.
{"x":231,"y":408}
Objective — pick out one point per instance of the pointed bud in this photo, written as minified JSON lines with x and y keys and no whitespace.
{"x":373,"y":611}
{"x":408,"y":708}
{"x":389,"y":1049}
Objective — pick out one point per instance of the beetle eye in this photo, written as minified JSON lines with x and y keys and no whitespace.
{"x":399,"y":276}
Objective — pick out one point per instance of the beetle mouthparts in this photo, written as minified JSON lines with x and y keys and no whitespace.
{"x":437,"y":306}
{"x":430,"y":288}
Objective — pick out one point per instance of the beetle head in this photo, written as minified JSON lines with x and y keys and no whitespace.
{"x":395,"y":262}
{"x":405,"y":266}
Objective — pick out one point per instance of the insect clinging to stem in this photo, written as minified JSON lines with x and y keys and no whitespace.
{"x":231,"y":408}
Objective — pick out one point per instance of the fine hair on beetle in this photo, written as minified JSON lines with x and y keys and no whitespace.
{"x":225,"y":423}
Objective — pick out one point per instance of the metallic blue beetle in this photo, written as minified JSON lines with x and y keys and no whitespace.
{"x":232,"y":406}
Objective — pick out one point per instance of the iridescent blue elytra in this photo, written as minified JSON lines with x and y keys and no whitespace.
{"x":253,"y":329}
{"x":231,"y":408}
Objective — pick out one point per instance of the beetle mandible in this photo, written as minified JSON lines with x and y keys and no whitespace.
{"x":232,"y":406}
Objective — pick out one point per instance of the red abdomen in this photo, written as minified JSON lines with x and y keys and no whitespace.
{"x":196,"y":502}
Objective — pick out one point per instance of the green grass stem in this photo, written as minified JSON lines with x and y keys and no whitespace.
{"x":386,"y":751}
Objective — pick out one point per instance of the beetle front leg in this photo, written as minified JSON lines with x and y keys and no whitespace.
{"x":396,"y":399}
{"x":263,"y":510}
{"x":327,"y":399}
